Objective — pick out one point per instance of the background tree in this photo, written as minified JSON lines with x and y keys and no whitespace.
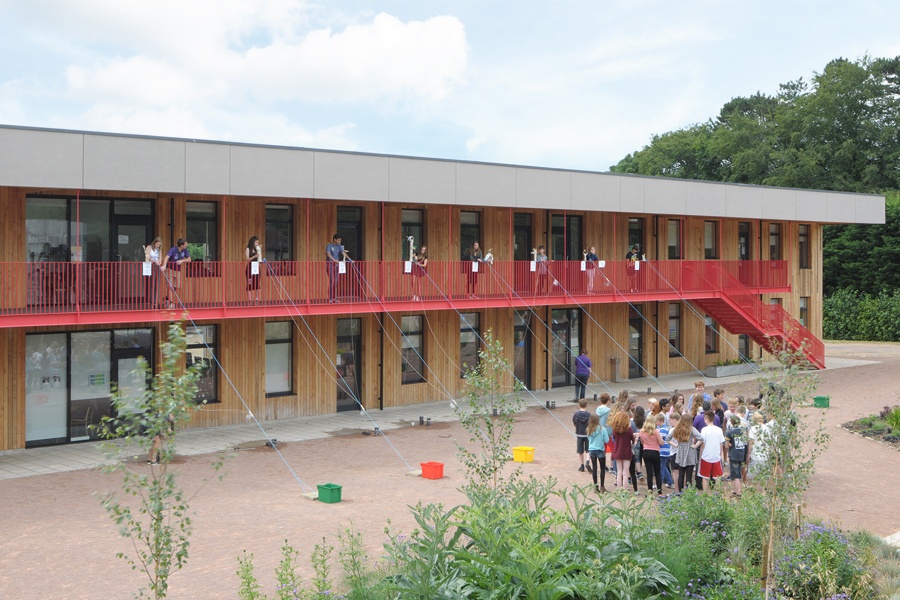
{"x":839,"y":131}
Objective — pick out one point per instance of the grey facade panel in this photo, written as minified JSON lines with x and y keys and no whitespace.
{"x":485,"y":185}
{"x":811,"y":207}
{"x":207,"y":168}
{"x":779,"y":205}
{"x":31,"y":157}
{"x":41,"y":158}
{"x":743,"y":202}
{"x":703,"y":200}
{"x":133,"y":164}
{"x":595,"y":191}
{"x":351,"y":176}
{"x":665,"y":197}
{"x":634,"y":195}
{"x":537,"y":188}
{"x":275,"y":172}
{"x":422,"y":181}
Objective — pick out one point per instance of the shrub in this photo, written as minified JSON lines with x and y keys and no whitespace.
{"x":821,"y":563}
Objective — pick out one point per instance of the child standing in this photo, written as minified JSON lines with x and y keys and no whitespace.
{"x":651,"y":442}
{"x":665,"y":451}
{"x":736,"y":442}
{"x":685,"y":438}
{"x":712,"y":452}
{"x":598,"y":436}
{"x":580,"y":420}
{"x":622,"y":439}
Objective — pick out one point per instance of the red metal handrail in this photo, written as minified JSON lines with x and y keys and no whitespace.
{"x":36,"y":288}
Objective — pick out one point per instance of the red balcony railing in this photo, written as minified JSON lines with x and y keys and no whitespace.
{"x":56,"y":287}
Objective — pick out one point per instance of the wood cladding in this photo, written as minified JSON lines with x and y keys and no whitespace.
{"x":241,"y":342}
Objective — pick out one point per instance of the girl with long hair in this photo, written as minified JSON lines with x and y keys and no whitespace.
{"x":622,"y":438}
{"x":651,"y":441}
{"x":253,"y":253}
{"x":598,"y":436}
{"x":683,"y":438}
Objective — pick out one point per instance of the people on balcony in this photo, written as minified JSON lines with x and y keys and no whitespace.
{"x":474,"y":255}
{"x":542,"y":266}
{"x":633,"y":257}
{"x":420,"y":263}
{"x":253,"y":254}
{"x":591,"y":259}
{"x":334,"y":254}
{"x":174,"y":259}
{"x":153,"y":255}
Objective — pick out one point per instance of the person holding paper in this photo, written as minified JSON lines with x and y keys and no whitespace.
{"x":633,"y":257}
{"x":333,"y":254}
{"x":253,"y":254}
{"x":590,"y":259}
{"x":153,"y":255}
{"x":475,"y":256}
{"x":419,"y":264}
{"x":543,"y":272}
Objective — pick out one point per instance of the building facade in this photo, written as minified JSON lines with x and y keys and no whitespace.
{"x":728,"y":268}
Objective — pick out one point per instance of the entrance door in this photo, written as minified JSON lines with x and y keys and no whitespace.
{"x":522,"y":347}
{"x":129,"y":236}
{"x":564,"y":345}
{"x":352,"y":285}
{"x":348,"y":362}
{"x":635,"y":343}
{"x":522,"y":253}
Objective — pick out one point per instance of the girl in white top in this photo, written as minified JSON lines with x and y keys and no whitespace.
{"x":153,"y":255}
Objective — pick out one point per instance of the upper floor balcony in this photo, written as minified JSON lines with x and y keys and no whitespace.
{"x":65,"y":293}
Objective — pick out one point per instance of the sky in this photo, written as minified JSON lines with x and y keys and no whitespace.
{"x":563,"y":84}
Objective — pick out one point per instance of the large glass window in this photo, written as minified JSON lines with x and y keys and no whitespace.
{"x":469,"y":332}
{"x":804,"y":252}
{"x":745,"y":248}
{"x":412,"y":225}
{"x":674,"y":329}
{"x":674,"y":239}
{"x":804,"y":311}
{"x":201,"y":351}
{"x":712,"y":335}
{"x":201,"y":225}
{"x":279,"y":232}
{"x":565,"y":242}
{"x":636,"y":233}
{"x":412,"y":349}
{"x":469,"y":231}
{"x":279,"y":358}
{"x":47,"y":230}
{"x":774,"y":241}
{"x":710,"y":239}
{"x":46,"y":368}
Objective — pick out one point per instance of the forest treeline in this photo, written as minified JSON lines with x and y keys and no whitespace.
{"x":838,"y":131}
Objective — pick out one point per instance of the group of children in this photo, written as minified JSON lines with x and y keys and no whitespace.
{"x":698,"y":438}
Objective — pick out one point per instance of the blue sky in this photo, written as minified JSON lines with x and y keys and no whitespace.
{"x":558,"y":84}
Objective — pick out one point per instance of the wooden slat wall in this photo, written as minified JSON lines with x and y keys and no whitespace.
{"x":12,"y":389}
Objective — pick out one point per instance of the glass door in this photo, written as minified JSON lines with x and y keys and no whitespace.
{"x":635,"y":343}
{"x":352,"y":284}
{"x":347,"y":361}
{"x":522,"y":252}
{"x":560,"y":349}
{"x":129,"y":236}
{"x":522,"y":347}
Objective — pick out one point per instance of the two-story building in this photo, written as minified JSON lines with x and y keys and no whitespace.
{"x":728,"y":268}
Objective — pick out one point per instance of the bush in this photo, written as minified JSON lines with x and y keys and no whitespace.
{"x":850,"y":315}
{"x":821,"y":563}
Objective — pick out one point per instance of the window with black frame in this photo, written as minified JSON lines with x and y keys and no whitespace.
{"x":804,"y":250}
{"x":412,"y":225}
{"x":412,"y":349}
{"x":201,"y":352}
{"x":469,"y":332}
{"x":674,"y":329}
{"x":279,"y":232}
{"x":469,"y":231}
{"x":712,"y":335}
{"x":774,"y":241}
{"x":674,"y":239}
{"x":710,"y":239}
{"x":202,"y":230}
{"x":279,"y":358}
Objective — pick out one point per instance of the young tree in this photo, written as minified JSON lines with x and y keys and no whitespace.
{"x":792,"y":445}
{"x":488,"y":416}
{"x":152,"y":509}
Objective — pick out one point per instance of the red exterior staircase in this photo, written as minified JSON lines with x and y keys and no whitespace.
{"x":740,"y":311}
